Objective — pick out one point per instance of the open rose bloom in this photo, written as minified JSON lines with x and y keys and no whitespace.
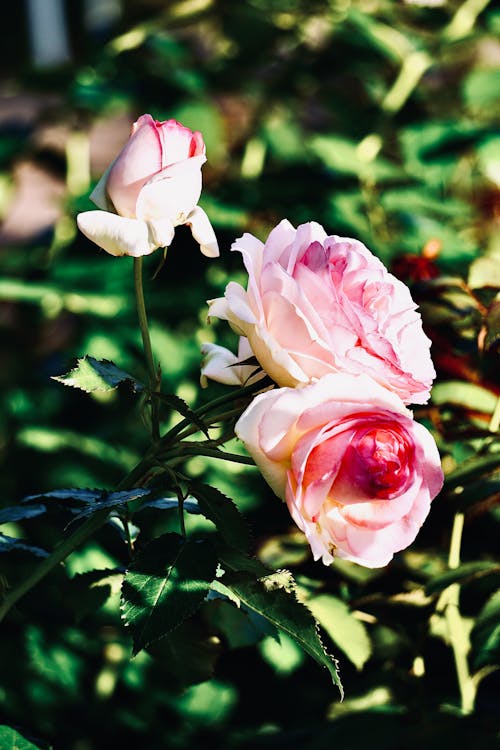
{"x":318,"y":304}
{"x":152,"y":186}
{"x":357,"y":472}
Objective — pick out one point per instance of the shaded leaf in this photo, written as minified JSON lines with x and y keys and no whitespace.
{"x":485,"y":488}
{"x":188,"y":653}
{"x":110,"y":500}
{"x":343,"y":627}
{"x":239,"y":562}
{"x":91,"y":500}
{"x":80,"y":495}
{"x":10,"y":543}
{"x":224,"y":514}
{"x":492,"y":322}
{"x":165,"y":584}
{"x":190,"y":504}
{"x":17,"y":513}
{"x":462,"y":574}
{"x":472,"y":468}
{"x":273,"y":597}
{"x":92,"y":374}
{"x":485,"y":635}
{"x":179,"y":405}
{"x":86,"y":592}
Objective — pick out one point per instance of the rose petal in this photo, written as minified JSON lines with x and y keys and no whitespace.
{"x":203,"y":232}
{"x":116,"y":234}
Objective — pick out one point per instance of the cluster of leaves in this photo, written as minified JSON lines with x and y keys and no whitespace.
{"x":378,"y":121}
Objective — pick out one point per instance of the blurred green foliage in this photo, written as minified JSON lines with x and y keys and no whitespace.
{"x":379,"y":120}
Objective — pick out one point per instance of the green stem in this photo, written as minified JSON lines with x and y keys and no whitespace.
{"x":240,"y":393}
{"x":146,"y":342}
{"x":196,"y":449}
{"x":459,"y":640}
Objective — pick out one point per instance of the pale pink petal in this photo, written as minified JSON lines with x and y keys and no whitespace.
{"x":138,"y":161}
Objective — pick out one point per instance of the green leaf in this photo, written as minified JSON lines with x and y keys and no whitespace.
{"x":165,"y":584}
{"x":224,"y":514}
{"x":12,"y":740}
{"x":342,"y":155}
{"x":343,"y":627}
{"x":467,"y":395}
{"x":485,"y":635}
{"x":274,"y":598}
{"x":480,"y":90}
{"x":177,"y":403}
{"x":92,"y":374}
{"x":463,"y":574}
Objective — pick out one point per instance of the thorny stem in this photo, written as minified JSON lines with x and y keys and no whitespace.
{"x":146,"y":342}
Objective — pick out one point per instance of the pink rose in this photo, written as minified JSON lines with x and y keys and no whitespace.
{"x":316,"y":305}
{"x":152,"y":186}
{"x":357,"y":472}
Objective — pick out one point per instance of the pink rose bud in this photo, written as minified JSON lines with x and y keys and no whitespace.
{"x":357,"y":472}
{"x":152,"y":186}
{"x":316,"y":305}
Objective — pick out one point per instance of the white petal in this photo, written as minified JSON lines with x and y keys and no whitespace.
{"x":203,"y":232}
{"x":161,"y":232}
{"x":115,"y":234}
{"x":218,"y":364}
{"x":171,"y":193}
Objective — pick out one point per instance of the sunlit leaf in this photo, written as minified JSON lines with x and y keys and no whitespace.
{"x":92,"y":374}
{"x":343,"y":627}
{"x":274,"y":598}
{"x":467,"y":395}
{"x":165,"y":584}
{"x":10,"y":739}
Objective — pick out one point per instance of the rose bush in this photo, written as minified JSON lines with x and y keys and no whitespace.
{"x":152,"y":186}
{"x":316,"y":305}
{"x":357,"y":472}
